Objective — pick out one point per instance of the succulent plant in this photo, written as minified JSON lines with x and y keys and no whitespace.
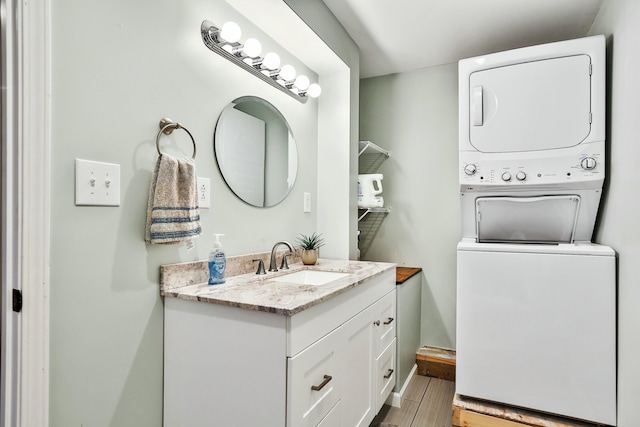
{"x":311,"y":242}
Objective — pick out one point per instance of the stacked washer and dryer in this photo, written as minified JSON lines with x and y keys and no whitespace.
{"x":536,"y":300}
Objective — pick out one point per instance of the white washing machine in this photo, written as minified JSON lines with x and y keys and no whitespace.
{"x":536,"y":305}
{"x":537,"y":327}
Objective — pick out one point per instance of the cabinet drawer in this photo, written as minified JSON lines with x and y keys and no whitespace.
{"x":333,"y":417}
{"x":384,"y":322}
{"x":385,"y":374}
{"x":313,"y":382}
{"x":308,"y":325}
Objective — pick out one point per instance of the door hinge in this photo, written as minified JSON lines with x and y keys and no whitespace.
{"x":590,"y":118}
{"x":590,"y":68}
{"x":17,"y":300}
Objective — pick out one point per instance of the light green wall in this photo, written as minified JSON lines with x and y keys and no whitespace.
{"x":117,"y":68}
{"x":618,"y":227}
{"x":320,"y":18}
{"x":415,"y":116}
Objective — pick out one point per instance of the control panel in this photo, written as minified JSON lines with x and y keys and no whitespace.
{"x":478,"y":169}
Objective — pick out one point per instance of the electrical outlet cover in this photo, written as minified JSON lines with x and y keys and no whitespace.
{"x":204,"y":193}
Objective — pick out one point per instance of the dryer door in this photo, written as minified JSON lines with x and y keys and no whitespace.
{"x":539,"y":105}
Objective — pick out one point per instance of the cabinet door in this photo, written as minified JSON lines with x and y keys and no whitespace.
{"x":313,"y":383}
{"x":385,"y":374}
{"x":384,"y":322}
{"x":358,"y":363}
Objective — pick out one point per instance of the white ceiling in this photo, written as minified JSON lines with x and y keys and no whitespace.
{"x":402,"y":35}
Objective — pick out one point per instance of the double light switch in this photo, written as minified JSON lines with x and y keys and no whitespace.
{"x":97,"y":183}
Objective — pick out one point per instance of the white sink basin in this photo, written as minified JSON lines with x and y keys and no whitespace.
{"x":310,"y":277}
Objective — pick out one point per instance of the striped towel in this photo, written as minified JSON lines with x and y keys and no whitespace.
{"x":172,"y":212}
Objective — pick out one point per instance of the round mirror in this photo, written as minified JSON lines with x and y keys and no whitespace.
{"x":255,"y":151}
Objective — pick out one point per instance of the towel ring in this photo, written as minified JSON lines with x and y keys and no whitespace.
{"x":167,"y":126}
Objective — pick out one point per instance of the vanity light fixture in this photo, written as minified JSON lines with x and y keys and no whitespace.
{"x":302,"y":82}
{"x":230,"y":32}
{"x":271,"y":61}
{"x":314,"y":90}
{"x":252,"y":48}
{"x":287,"y":73}
{"x":225,"y":41}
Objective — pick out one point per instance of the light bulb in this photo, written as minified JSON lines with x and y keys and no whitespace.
{"x":314,"y":90}
{"x":271,"y":61}
{"x":230,"y":32}
{"x":302,"y":82}
{"x":288,"y":73}
{"x":252,"y":47}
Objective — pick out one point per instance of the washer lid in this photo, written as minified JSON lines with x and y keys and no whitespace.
{"x":545,"y":219}
{"x":528,"y":248}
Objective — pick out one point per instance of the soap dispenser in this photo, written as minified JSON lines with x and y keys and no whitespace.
{"x":217,"y":262}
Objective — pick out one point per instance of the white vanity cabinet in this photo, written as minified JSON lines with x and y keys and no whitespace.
{"x":314,"y":383}
{"x":348,"y":365}
{"x":323,"y":366}
{"x":385,"y":347}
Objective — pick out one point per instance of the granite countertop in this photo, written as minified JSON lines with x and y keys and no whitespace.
{"x":266,"y":293}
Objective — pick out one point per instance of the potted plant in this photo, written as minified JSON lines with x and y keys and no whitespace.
{"x":309,"y":246}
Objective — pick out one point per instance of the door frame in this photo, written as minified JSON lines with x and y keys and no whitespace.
{"x":26,"y":207}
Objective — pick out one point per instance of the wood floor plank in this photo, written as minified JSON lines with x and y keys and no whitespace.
{"x":401,"y":417}
{"x":435,"y":408}
{"x":416,"y":388}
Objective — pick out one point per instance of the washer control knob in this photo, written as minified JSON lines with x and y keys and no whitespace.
{"x":588,"y":163}
{"x":521,"y":176}
{"x":470,"y":169}
{"x":506,"y":176}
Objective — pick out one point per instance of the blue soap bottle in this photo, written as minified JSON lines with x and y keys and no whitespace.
{"x":217,"y":262}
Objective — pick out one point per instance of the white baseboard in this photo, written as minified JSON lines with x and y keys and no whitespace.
{"x":395,"y":398}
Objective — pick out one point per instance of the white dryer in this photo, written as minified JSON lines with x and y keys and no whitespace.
{"x":536,"y":299}
{"x":532,"y":127}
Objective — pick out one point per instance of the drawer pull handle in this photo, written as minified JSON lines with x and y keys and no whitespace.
{"x":327,"y":378}
{"x":376,"y":322}
{"x":389,"y":373}
{"x":389,"y":320}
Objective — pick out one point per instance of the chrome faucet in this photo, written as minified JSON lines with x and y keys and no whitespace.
{"x":272,"y":263}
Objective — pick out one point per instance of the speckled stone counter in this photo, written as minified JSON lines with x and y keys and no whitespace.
{"x":250,"y":291}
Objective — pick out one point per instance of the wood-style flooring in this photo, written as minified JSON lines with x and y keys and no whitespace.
{"x":426,"y":403}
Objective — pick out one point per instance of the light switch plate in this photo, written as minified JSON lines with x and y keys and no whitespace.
{"x":307,"y":202}
{"x":204,"y":193}
{"x":97,"y":183}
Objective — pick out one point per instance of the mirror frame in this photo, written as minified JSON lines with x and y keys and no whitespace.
{"x":291,"y":172}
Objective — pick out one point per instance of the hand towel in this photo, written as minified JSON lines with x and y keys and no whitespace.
{"x":173,"y":215}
